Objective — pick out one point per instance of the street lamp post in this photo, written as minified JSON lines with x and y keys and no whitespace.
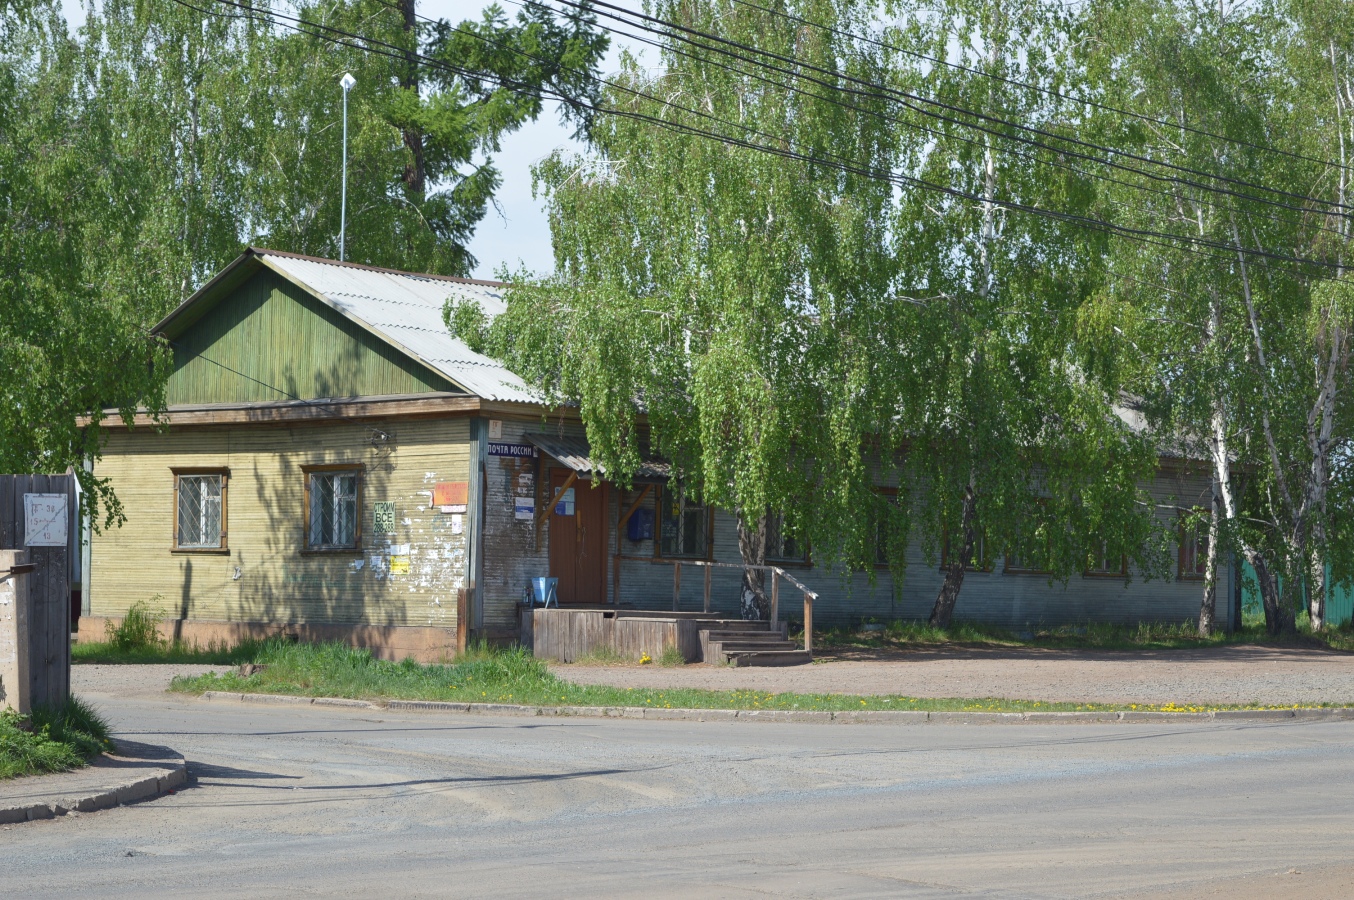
{"x":346,"y":82}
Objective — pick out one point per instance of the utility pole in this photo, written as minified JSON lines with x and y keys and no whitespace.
{"x":346,"y":82}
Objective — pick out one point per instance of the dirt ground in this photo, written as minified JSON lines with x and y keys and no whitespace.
{"x":1223,"y":675}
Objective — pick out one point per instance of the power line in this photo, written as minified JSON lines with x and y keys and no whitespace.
{"x":995,"y":123}
{"x":1043,"y":90}
{"x":922,"y":128}
{"x":1143,"y":235}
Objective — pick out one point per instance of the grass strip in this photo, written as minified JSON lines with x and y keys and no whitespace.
{"x":905,"y":635}
{"x":216,"y":654}
{"x":513,"y":676}
{"x":51,"y":740}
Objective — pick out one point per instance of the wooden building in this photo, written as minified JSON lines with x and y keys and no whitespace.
{"x":333,"y":464}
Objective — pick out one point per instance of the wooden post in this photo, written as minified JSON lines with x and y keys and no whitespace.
{"x":676,"y":586}
{"x":462,"y":620}
{"x":775,"y":600}
{"x":808,"y":623}
{"x":707,"y":588}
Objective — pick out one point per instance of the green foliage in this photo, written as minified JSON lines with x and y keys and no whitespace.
{"x":795,"y":337}
{"x":51,"y":740}
{"x":140,"y":154}
{"x":138,"y":631}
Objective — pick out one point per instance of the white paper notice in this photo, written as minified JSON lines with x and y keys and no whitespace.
{"x":45,"y":520}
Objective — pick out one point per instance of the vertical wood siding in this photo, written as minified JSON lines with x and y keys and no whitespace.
{"x":266,"y":576}
{"x":270,"y":334}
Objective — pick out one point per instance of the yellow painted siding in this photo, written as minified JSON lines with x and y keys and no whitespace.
{"x":266,"y":577}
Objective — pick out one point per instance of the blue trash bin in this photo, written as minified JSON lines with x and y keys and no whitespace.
{"x":544,"y":591}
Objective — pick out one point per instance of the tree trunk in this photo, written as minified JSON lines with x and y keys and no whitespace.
{"x":1316,"y":599}
{"x":1208,"y":607}
{"x":1278,"y":616}
{"x":415,"y":173}
{"x":752,"y":548}
{"x":943,"y":612}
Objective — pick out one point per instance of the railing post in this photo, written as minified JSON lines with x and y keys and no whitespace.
{"x":707,"y":588}
{"x":775,"y":599}
{"x":808,"y":623}
{"x":676,"y":586}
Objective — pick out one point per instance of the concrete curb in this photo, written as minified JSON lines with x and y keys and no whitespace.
{"x":862,"y":717}
{"x":152,"y":770}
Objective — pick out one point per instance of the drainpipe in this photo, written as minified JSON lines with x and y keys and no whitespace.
{"x":475,"y":505}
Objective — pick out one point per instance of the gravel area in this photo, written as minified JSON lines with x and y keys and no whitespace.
{"x":1216,"y":676}
{"x":132,"y":680}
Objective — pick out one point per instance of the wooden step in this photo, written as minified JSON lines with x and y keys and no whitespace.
{"x":738,"y":646}
{"x":770,"y":658}
{"x":723,"y":633}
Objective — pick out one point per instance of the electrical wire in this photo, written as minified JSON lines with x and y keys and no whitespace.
{"x":995,"y":123}
{"x":1143,"y":235}
{"x":1239,"y":142}
{"x":1021,"y":154}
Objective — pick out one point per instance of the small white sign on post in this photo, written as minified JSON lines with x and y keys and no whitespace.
{"x":45,"y":518}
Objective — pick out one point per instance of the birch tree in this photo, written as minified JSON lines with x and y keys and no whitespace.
{"x":1244,"y":343}
{"x":1011,"y":441}
{"x":698,"y":281}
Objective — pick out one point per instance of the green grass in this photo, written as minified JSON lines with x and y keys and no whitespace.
{"x":513,"y":676}
{"x":136,"y":639}
{"x":175,"y":652}
{"x":905,"y":635}
{"x":50,"y":740}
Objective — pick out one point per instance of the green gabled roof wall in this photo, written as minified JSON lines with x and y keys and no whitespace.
{"x":266,"y":339}
{"x":278,"y":326}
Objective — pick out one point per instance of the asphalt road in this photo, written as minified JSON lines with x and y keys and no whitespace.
{"x":292,"y":800}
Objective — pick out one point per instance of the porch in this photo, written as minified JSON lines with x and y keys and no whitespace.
{"x":575,"y":632}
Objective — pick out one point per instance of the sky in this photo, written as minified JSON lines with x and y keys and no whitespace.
{"x":516,"y":234}
{"x":519,"y":235}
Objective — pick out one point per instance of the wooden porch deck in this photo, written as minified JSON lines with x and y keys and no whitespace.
{"x":575,"y":632}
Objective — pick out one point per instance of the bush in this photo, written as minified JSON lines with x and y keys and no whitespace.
{"x":137,"y":631}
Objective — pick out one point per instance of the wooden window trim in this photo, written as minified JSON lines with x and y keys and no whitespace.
{"x":356,"y":549}
{"x":1120,"y":574}
{"x":1008,"y":569}
{"x":1181,"y":573}
{"x":658,"y":555}
{"x":224,"y":549}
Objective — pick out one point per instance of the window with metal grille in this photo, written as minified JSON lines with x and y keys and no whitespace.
{"x":200,"y":518}
{"x":334,"y":507}
{"x":683,"y":526}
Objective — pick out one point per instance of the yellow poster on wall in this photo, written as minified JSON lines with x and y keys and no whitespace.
{"x":399,"y":565}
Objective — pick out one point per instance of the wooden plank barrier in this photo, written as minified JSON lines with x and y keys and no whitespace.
{"x":48,"y":584}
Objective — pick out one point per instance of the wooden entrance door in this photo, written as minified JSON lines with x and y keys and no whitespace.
{"x":578,"y":541}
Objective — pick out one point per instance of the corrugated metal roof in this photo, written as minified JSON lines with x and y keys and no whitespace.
{"x":576,"y":453}
{"x":406,"y":309}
